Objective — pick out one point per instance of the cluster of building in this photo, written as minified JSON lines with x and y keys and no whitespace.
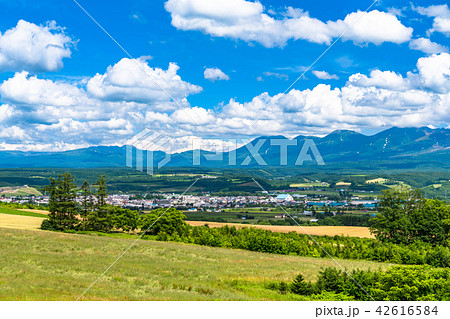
{"x":208,"y":201}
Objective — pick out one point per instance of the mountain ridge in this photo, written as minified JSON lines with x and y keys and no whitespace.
{"x":340,"y":146}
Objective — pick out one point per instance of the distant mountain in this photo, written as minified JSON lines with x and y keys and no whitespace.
{"x":395,"y":147}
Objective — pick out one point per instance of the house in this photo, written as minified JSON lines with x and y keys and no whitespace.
{"x":319,"y":204}
{"x":284,"y":198}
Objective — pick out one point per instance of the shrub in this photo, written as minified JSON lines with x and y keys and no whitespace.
{"x":301,"y":287}
{"x":47,"y":225}
{"x":404,"y":283}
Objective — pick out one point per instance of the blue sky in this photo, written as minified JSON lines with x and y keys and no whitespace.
{"x":65,"y":97}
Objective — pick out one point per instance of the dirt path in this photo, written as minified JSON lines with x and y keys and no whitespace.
{"x":350,"y":231}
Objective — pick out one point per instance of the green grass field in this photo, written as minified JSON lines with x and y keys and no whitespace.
{"x":11,"y":211}
{"x":39,"y":265}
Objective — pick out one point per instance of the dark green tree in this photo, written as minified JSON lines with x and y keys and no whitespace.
{"x":62,"y":202}
{"x":86,"y":201}
{"x":406,"y":216}
{"x":123,"y":219}
{"x":168,"y":220}
{"x":99,"y":219}
{"x":300,"y":286}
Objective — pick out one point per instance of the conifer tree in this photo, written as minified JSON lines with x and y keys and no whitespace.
{"x":86,"y":202}
{"x":62,"y":203}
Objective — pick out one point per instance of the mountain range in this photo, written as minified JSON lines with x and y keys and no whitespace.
{"x":394,"y":147}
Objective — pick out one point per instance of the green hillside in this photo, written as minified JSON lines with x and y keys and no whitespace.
{"x":38,"y":265}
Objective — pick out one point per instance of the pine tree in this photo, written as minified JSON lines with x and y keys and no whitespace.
{"x":52,"y":191}
{"x":69,"y":208}
{"x":99,"y":218}
{"x":86,"y":202}
{"x":102,"y":193}
{"x":300,"y":286}
{"x":62,"y":202}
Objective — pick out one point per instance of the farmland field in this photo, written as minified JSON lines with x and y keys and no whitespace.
{"x":40,"y":265}
{"x":350,"y":231}
{"x":23,"y":212}
{"x":27,"y":222}
{"x":20,"y":222}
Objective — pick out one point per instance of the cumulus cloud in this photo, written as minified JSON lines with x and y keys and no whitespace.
{"x":44,"y":114}
{"x":24,"y":89}
{"x":58,"y":115}
{"x":248,"y":21}
{"x":433,"y":74}
{"x":133,"y":80}
{"x":34,"y":48}
{"x":441,"y":15}
{"x":426,"y":46}
{"x":375,"y":27}
{"x":14,"y":133}
{"x":381,"y":79}
{"x":215,"y":74}
{"x":6,"y":112}
{"x":323,"y":75}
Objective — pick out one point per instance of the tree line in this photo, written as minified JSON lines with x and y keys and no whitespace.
{"x":406,"y":216}
{"x":85,"y":208}
{"x":405,"y":283}
{"x":260,"y":240}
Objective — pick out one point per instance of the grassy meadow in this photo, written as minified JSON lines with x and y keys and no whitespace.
{"x":40,"y":265}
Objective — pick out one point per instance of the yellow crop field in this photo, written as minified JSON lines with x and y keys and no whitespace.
{"x":19,"y":222}
{"x":376,"y":181}
{"x":343,"y":184}
{"x":350,"y":231}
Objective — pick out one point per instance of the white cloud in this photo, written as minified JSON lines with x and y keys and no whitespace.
{"x":441,"y":15}
{"x":43,"y":114}
{"x":280,"y":76}
{"x":426,"y":46}
{"x":381,"y":79}
{"x":434,"y":11}
{"x":6,"y":112}
{"x":135,"y":81}
{"x":34,"y":48}
{"x":137,"y":17}
{"x":62,"y":114}
{"x":215,"y":74}
{"x":29,"y":90}
{"x":247,"y":21}
{"x":375,"y":27}
{"x":189,"y":115}
{"x":14,"y":133}
{"x":34,"y":147}
{"x":435,"y":72}
{"x":323,"y":75}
